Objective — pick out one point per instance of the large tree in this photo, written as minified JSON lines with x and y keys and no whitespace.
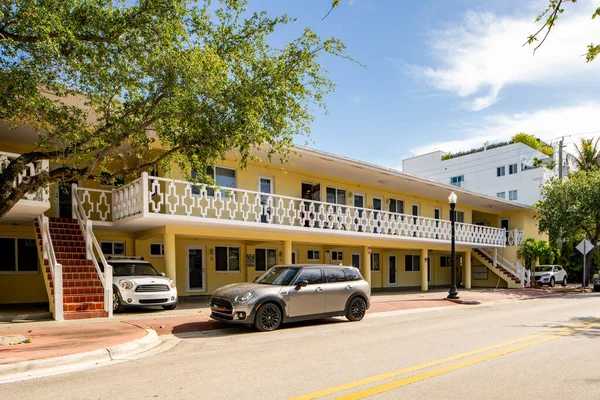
{"x":158,"y":80}
{"x":571,"y":209}
{"x":550,"y":17}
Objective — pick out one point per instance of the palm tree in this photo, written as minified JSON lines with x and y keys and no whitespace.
{"x":532,"y":250}
{"x":588,"y":157}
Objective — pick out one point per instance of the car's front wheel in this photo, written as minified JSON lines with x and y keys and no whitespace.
{"x":357,"y":308}
{"x":117,"y":306}
{"x":551,"y":284}
{"x":268,"y":317}
{"x":564,"y":282}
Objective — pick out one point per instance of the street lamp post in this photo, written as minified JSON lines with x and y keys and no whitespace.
{"x":453,"y":293}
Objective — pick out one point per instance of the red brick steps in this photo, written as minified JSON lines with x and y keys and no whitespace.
{"x":498,"y":266}
{"x":83,"y":294}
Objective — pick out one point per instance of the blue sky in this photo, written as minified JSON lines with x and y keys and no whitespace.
{"x":447,"y":74}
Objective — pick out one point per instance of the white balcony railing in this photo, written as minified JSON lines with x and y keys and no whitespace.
{"x":515,"y":237}
{"x":30,"y":170}
{"x":151,"y":195}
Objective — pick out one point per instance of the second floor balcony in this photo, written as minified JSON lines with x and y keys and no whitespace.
{"x":33,"y":204}
{"x":152,"y":201}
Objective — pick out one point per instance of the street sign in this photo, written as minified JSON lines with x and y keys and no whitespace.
{"x":585,"y":246}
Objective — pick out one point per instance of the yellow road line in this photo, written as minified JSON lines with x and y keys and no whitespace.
{"x":452,"y":367}
{"x":392,"y":374}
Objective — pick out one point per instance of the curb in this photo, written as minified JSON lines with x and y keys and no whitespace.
{"x":465,"y":302}
{"x":57,"y":365}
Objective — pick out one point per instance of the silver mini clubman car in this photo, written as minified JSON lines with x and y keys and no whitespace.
{"x":288,"y":293}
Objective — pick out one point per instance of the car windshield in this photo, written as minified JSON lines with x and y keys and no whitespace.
{"x":278,"y":276}
{"x":132,"y":269}
{"x":543,"y":268}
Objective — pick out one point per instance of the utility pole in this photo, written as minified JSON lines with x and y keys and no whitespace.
{"x":560,"y":158}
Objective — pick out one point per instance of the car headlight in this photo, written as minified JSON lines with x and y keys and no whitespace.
{"x":126,"y":284}
{"x":171,"y":284}
{"x":244,"y":297}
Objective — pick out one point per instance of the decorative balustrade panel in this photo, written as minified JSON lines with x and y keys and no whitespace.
{"x":96,"y":203}
{"x":515,"y":237}
{"x":176,"y":197}
{"x":31,"y":169}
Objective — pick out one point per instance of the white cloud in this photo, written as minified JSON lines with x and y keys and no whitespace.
{"x":485,"y":54}
{"x":356,"y":100}
{"x":547,"y":124}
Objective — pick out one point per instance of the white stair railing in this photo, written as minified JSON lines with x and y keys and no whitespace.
{"x":55,"y":267}
{"x":91,"y":244}
{"x":517,"y":270}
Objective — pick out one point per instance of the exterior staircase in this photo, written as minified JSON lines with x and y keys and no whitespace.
{"x":83,"y":294}
{"x":514,"y":275}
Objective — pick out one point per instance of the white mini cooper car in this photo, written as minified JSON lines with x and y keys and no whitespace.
{"x":137,"y":284}
{"x":550,"y":275}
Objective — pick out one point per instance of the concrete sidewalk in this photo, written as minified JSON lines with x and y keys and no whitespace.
{"x":48,"y":339}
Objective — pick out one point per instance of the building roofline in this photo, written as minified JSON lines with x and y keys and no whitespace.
{"x":400,"y":174}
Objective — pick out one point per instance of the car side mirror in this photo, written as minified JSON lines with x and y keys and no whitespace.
{"x":301,"y":284}
{"x":163,"y":274}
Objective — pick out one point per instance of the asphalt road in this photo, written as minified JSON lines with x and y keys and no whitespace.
{"x":546,"y":348}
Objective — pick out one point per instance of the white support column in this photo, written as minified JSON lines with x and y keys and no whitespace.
{"x":108,"y":290}
{"x":495,"y":258}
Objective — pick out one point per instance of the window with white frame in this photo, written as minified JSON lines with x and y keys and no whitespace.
{"x":513,"y":169}
{"x":265,"y":258}
{"x":337,"y":256}
{"x":513,"y":195}
{"x":313,"y":255}
{"x":227,"y":259}
{"x":445,"y":261}
{"x":396,"y":206}
{"x":18,"y":255}
{"x":335,"y":196}
{"x":223,"y":177}
{"x":113,"y":248}
{"x":457,"y":180}
{"x":460,"y":216}
{"x":501,"y":195}
{"x":157,"y":250}
{"x":501,"y":171}
{"x":412,"y":263}
{"x":375,"y":266}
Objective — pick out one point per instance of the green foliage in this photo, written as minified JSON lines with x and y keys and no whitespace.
{"x":550,"y":16}
{"x":536,"y":252}
{"x":570,"y":209}
{"x":153,"y":81}
{"x":588,"y":157}
{"x":446,"y":156}
{"x":533,"y":142}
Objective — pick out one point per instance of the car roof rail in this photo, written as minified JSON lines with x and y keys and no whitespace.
{"x":125,"y":258}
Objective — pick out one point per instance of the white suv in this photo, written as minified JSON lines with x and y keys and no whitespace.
{"x":137,"y":284}
{"x":550,"y":275}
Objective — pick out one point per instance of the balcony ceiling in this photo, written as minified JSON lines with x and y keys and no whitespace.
{"x":319,"y":162}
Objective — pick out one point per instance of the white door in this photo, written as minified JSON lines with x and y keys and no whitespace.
{"x":196,"y":268}
{"x":265,"y":185}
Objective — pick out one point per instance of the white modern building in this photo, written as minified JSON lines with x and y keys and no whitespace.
{"x":510,"y":172}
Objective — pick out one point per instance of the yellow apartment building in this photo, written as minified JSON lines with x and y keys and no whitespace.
{"x":318,"y":208}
